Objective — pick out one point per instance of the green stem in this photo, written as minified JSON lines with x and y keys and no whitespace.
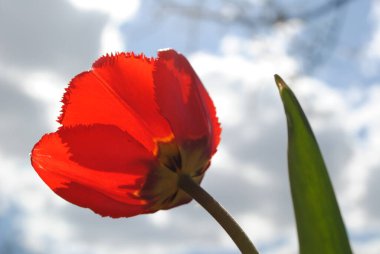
{"x":245,"y":245}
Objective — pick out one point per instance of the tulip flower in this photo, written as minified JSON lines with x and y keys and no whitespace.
{"x":137,"y":135}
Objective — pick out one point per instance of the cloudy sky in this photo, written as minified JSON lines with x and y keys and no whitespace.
{"x":44,"y":43}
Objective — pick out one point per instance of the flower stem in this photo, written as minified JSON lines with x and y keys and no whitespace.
{"x":245,"y":245}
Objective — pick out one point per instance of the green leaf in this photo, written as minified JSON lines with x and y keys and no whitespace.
{"x":319,"y":223}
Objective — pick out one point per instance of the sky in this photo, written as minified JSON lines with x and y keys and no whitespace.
{"x":45,"y":43}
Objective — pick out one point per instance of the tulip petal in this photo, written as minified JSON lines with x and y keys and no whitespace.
{"x":99,"y":167}
{"x":184,"y":101}
{"x":211,"y":112}
{"x":119,"y":91}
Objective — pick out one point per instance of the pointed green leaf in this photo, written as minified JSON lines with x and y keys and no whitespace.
{"x":319,"y":222}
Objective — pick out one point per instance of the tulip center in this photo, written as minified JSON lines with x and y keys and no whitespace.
{"x":161,"y":189}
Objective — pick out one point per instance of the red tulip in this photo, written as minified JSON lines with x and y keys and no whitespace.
{"x":130,"y":127}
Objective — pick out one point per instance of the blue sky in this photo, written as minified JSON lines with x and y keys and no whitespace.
{"x":45,"y":43}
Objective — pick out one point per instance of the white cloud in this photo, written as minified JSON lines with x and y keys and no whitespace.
{"x":51,"y":35}
{"x":111,"y":40}
{"x":118,"y":10}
